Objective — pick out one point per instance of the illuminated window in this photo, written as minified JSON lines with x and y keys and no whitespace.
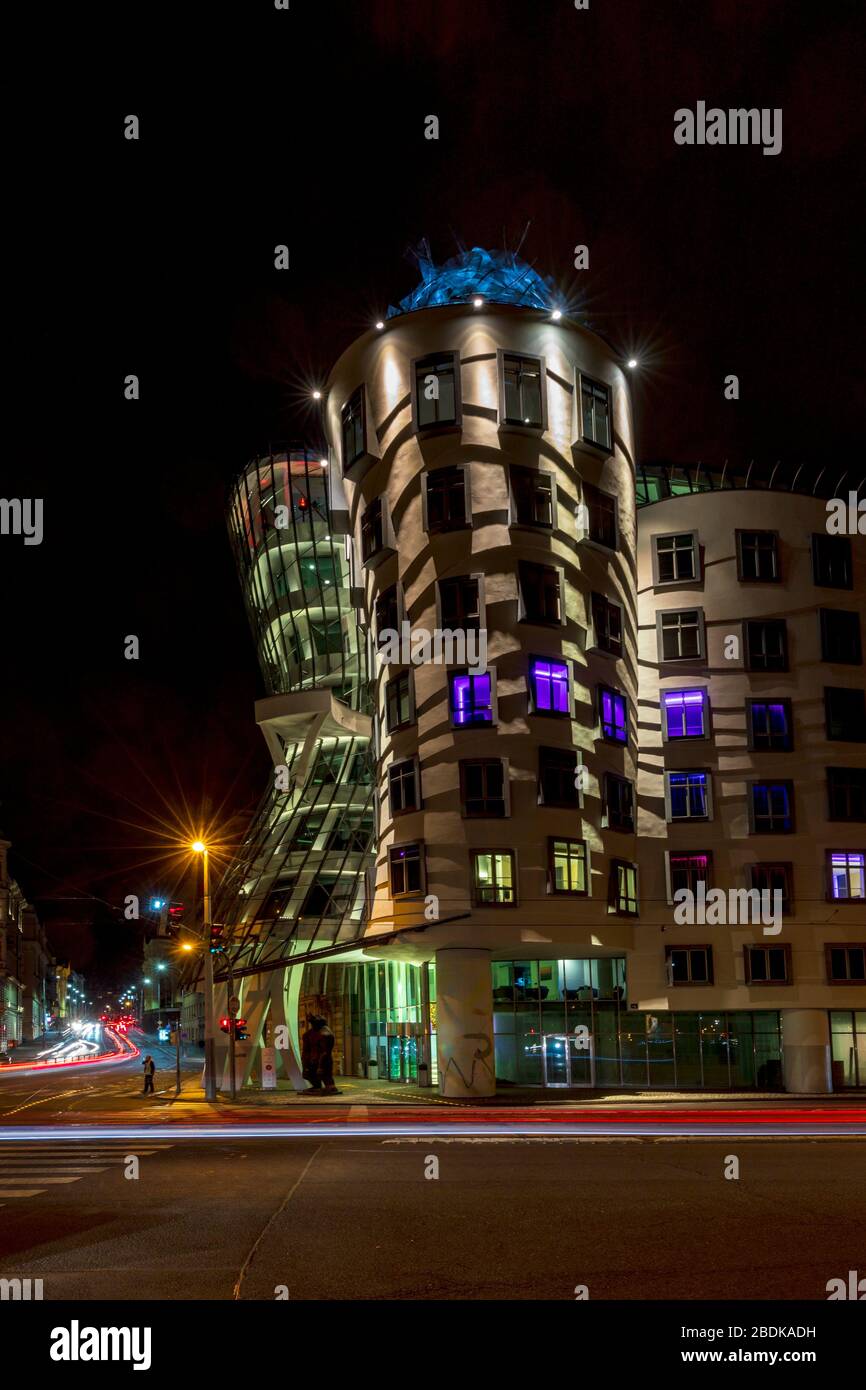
{"x":471,"y":698}
{"x":493,"y":877}
{"x":770,"y":725}
{"x":847,"y":870}
{"x":548,"y":686}
{"x":567,"y":862}
{"x":613,"y":715}
{"x":687,"y":796}
{"x":772,"y":808}
{"x":687,"y":871}
{"x":684,"y":713}
{"x":623,"y":888}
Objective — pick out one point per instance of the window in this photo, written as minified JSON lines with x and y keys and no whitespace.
{"x":327,"y":637}
{"x":353,"y":427}
{"x":845,"y":712}
{"x":403,"y":787}
{"x":686,"y":871}
{"x":767,"y":645}
{"x":602,"y":526}
{"x":770,"y":725}
{"x":767,"y":965}
{"x":772,"y":879}
{"x":689,"y":965}
{"x":372,"y":530}
{"x":687,"y":796}
{"x":675,"y":558}
{"x":493,"y":877}
{"x":831,"y":561}
{"x":532,"y":497}
{"x":681,"y":634}
{"x":399,"y":709}
{"x":308,"y":831}
{"x":846,"y":793}
{"x":540,"y":594}
{"x":613,"y":715}
{"x":595,"y":412}
{"x":618,"y":802}
{"x":607,"y":625}
{"x":353,"y":832}
{"x":549,"y":687}
{"x":460,"y":603}
{"x":772,"y":808}
{"x":684,"y":714}
{"x":847,"y":875}
{"x":405,"y":869}
{"x":623,"y":888}
{"x":523,"y":390}
{"x":567,"y":863}
{"x":482,"y":787}
{"x":446,"y":499}
{"x":840,"y":636}
{"x":471,"y":698}
{"x":437,"y":391}
{"x":557,"y":777}
{"x":329,"y":896}
{"x":758,"y":556}
{"x":846,"y":965}
{"x":388,"y":612}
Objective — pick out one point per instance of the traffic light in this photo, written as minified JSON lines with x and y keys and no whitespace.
{"x":216,"y":938}
{"x":225,"y":1025}
{"x":241,"y":1032}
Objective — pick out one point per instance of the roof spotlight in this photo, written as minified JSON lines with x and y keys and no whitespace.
{"x":556,"y":315}
{"x":379,"y":323}
{"x":477,"y":301}
{"x":632,"y":362}
{"x":317,"y":395}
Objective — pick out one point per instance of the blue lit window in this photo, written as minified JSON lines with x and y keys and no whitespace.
{"x":772,"y":808}
{"x":847,"y":875}
{"x":688,"y":795}
{"x":613,"y":710}
{"x":684,"y":713}
{"x":471,"y":699}
{"x":770,"y":725}
{"x":549,"y":686}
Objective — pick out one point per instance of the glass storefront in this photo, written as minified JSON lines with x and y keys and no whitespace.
{"x":395,"y":1001}
{"x":848,"y":1045}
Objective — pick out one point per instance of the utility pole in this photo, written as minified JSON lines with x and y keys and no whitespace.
{"x":210,"y":1090}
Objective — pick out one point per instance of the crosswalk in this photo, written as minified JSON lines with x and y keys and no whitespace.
{"x":31,"y":1169}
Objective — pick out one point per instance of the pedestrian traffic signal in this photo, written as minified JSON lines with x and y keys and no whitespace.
{"x":216,"y":939}
{"x":226,"y":1025}
{"x":241,"y":1033}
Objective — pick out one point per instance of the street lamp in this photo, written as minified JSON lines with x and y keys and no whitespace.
{"x":199,"y":847}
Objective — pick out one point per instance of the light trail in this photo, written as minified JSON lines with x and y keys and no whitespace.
{"x":117,"y":1056}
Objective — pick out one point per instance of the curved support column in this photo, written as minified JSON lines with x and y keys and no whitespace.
{"x":464,"y":1023}
{"x":806,"y":1051}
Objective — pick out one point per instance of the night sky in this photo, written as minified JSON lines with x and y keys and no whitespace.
{"x":261,"y":127}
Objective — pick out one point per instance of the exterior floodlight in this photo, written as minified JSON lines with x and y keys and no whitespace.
{"x":632,"y":362}
{"x":556,"y":315}
{"x":379,"y":323}
{"x":477,"y":301}
{"x":317,"y":395}
{"x":323,"y":463}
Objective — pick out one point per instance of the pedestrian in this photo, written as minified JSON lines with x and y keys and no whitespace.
{"x":149,"y":1069}
{"x":317,"y":1046}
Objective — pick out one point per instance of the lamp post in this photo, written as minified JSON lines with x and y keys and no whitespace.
{"x":209,"y":1039}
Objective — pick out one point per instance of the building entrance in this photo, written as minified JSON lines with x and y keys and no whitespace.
{"x":566,"y":1063}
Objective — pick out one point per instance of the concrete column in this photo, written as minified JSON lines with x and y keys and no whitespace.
{"x":464,"y":1019}
{"x":806,"y":1051}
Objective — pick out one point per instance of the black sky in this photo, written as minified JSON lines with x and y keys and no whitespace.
{"x":262,"y":127}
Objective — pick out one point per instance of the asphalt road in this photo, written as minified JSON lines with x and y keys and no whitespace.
{"x":357,"y":1219}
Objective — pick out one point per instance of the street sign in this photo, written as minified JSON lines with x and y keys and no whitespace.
{"x":269,"y":1068}
{"x":234,"y":1005}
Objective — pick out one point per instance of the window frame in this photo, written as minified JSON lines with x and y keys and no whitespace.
{"x":671,"y":854}
{"x":748,"y":661}
{"x":846,"y":946}
{"x":690,"y":983}
{"x":422,"y":869}
{"x":769,"y":783}
{"x":349,"y":466}
{"x":526,"y":471}
{"x":563,"y":753}
{"x":590,"y":497}
{"x":445,"y":527}
{"x":534,"y":707}
{"x":705,"y":772}
{"x":524,"y":566}
{"x":396,"y":764}
{"x":743,"y":578}
{"x":787,"y":705}
{"x":825,"y":617}
{"x":553,"y":840}
{"x":502,"y":764}
{"x":596,"y":598}
{"x":701,"y":655}
{"x":458,"y":671}
{"x":819,"y":538}
{"x":505,"y":421}
{"x":460,"y":625}
{"x":474,"y":853}
{"x":706,"y":727}
{"x":677,"y":583}
{"x":783,"y":865}
{"x":859,"y":722}
{"x":406,"y":673}
{"x":828,"y":857}
{"x":616,"y":695}
{"x":765,"y":948}
{"x":610,"y":822}
{"x":614,"y":899}
{"x":439,"y":426}
{"x":580,"y":435}
{"x":833,"y":775}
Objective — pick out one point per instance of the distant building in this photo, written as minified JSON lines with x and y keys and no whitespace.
{"x":39,"y":979}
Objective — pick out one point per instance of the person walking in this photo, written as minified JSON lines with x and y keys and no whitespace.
{"x":149,"y":1069}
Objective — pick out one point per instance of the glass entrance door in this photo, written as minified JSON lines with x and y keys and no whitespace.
{"x":566,"y":1063}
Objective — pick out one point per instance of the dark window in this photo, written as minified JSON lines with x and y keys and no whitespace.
{"x":557,"y":784}
{"x":548,"y":686}
{"x":772,"y":879}
{"x":533,"y":497}
{"x":404,"y":862}
{"x":772,"y":808}
{"x":623,"y":888}
{"x":676,"y":558}
{"x":471,"y":698}
{"x":595,"y":412}
{"x":372,"y":530}
{"x":446,"y":499}
{"x":758,"y":555}
{"x":352,"y":423}
{"x":846,"y":875}
{"x":613,"y":715}
{"x":327,"y":897}
{"x":767,"y":965}
{"x":767,"y":645}
{"x":398,"y":701}
{"x":437,"y":391}
{"x":493,"y":877}
{"x":567,"y":862}
{"x":353,"y":832}
{"x":681,"y":633}
{"x":459,"y":603}
{"x":327,"y":637}
{"x":690,"y":965}
{"x":601,"y":516}
{"x":539,"y":585}
{"x":308,"y":831}
{"x":524,"y":404}
{"x":846,"y":793}
{"x":831,"y":561}
{"x":388,"y":612}
{"x":403,"y":787}
{"x":688,"y":795}
{"x":684,"y":713}
{"x":770,"y":725}
{"x":688,"y":870}
{"x":482,"y":787}
{"x":619,"y":802}
{"x":845,"y":712}
{"x":846,"y":964}
{"x":607,"y":622}
{"x":840,"y":636}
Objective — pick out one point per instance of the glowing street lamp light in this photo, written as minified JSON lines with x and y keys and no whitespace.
{"x":632,"y":363}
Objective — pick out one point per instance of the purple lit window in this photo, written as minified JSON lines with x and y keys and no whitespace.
{"x":472,"y":699}
{"x":549,"y":685}
{"x":684,"y":713}
{"x":614,"y":716}
{"x":848,"y":875}
{"x":770,"y":724}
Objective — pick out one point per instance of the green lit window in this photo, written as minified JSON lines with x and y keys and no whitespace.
{"x":493,"y":877}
